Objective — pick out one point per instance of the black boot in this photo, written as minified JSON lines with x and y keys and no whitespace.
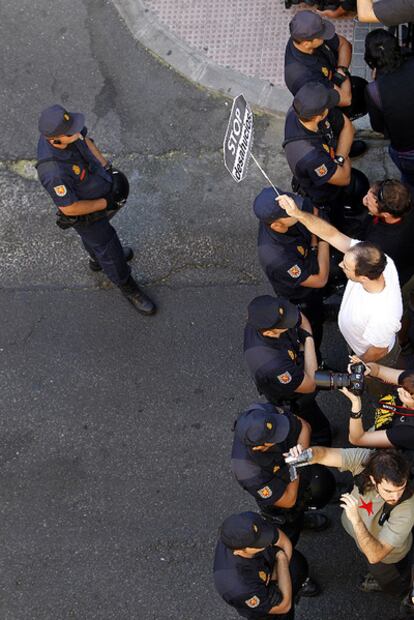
{"x":315,"y":521}
{"x":141,"y":302}
{"x":128,"y":255}
{"x":309,"y":588}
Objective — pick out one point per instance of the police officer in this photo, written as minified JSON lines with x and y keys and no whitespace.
{"x":255,"y":570}
{"x":318,"y":139}
{"x":294,"y":261}
{"x":262,"y":434}
{"x":87,"y":193}
{"x":280,"y":354}
{"x":315,"y":53}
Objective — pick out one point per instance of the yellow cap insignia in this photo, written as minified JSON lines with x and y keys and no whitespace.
{"x":269,"y":425}
{"x":256,"y":529}
{"x":281,"y":311}
{"x":66,"y":116}
{"x":76,"y":169}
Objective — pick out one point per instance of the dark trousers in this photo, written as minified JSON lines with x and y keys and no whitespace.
{"x":102,"y":244}
{"x":313,"y":308}
{"x":393,"y":578}
{"x":405,"y":164}
{"x":299,"y":571}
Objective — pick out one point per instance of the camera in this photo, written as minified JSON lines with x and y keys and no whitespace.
{"x":353,"y":380}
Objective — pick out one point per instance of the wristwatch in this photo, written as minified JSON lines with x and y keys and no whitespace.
{"x":356,"y":415}
{"x":345,"y":70}
{"x":339,"y":159}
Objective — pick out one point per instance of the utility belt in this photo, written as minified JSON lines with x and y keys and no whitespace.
{"x":116,"y":199}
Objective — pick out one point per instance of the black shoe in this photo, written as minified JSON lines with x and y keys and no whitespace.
{"x":141,"y":302}
{"x":315,"y":521}
{"x":358,"y":148}
{"x":128,"y":255}
{"x":309,"y":588}
{"x":406,"y":608}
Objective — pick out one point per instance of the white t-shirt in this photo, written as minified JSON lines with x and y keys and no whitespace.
{"x":371,"y":319}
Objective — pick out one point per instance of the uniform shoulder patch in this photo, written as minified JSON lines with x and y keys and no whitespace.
{"x":321,"y":170}
{"x":294,"y":271}
{"x":285,"y":377}
{"x":253,"y":602}
{"x":265,"y":492}
{"x":60,"y":190}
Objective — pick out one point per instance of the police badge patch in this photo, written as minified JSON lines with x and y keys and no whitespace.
{"x":253,"y":602}
{"x":60,"y":190}
{"x":265,"y":492}
{"x":294,"y":271}
{"x":285,"y":377}
{"x":321,"y":170}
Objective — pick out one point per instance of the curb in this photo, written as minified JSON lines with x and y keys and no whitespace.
{"x":194,"y":66}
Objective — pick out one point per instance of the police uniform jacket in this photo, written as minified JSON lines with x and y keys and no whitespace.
{"x":71,"y":174}
{"x":245,"y":583}
{"x":265,"y":475}
{"x":320,"y":66}
{"x":310,"y":154}
{"x":276,"y":364}
{"x":287,"y":260}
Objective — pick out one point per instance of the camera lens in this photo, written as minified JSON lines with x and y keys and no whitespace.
{"x":323,"y":379}
{"x":340,"y":380}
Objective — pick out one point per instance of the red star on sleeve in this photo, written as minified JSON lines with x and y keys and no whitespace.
{"x":366,"y":506}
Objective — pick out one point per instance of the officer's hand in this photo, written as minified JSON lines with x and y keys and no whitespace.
{"x":289,"y":205}
{"x":350,"y":504}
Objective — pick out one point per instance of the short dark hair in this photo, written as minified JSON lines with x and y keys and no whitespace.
{"x":392,"y":196}
{"x":406,"y":381}
{"x":387,"y":464}
{"x":382,"y":51}
{"x":370,"y":260}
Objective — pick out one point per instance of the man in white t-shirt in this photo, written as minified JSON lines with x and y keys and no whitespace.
{"x":371,"y":308}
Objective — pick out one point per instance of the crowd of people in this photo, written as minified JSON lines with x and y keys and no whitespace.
{"x":336,"y":235}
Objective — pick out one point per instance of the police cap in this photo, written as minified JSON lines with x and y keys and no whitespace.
{"x":307,"y":25}
{"x":267,"y":312}
{"x":261,"y":423}
{"x":56,"y":121}
{"x":247,"y":529}
{"x":267,"y":209}
{"x":313,"y":98}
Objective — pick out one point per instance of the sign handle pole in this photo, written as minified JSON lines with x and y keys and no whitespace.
{"x":264,"y":173}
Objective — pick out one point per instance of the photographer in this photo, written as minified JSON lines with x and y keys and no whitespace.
{"x":394,"y":415}
{"x":378,"y":512}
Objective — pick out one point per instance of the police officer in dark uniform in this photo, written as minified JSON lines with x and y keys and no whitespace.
{"x":318,"y":139}
{"x":255,"y":570}
{"x":315,"y":53}
{"x":280,"y":354}
{"x":87,"y":193}
{"x":262,"y":434}
{"x":294,"y":261}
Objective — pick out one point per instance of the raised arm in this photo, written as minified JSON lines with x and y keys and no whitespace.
{"x":316,"y":225}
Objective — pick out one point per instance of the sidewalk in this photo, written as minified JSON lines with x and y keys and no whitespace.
{"x":230,"y":47}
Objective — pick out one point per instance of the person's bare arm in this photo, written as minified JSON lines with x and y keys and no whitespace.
{"x":284,"y":543}
{"x":373,"y":549}
{"x":305,"y":433}
{"x":357,"y":435}
{"x":95,"y":151}
{"x":319,"y":280}
{"x":331,"y":457}
{"x":344,"y":91}
{"x":366,"y":12}
{"x":386,"y":374}
{"x":342,"y":175}
{"x":83,"y":207}
{"x":344,"y":52}
{"x":316,"y":225}
{"x":289,"y":497}
{"x":308,"y":384}
{"x":374,"y":353}
{"x":282,"y":575}
{"x":334,"y":14}
{"x":345,"y":139}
